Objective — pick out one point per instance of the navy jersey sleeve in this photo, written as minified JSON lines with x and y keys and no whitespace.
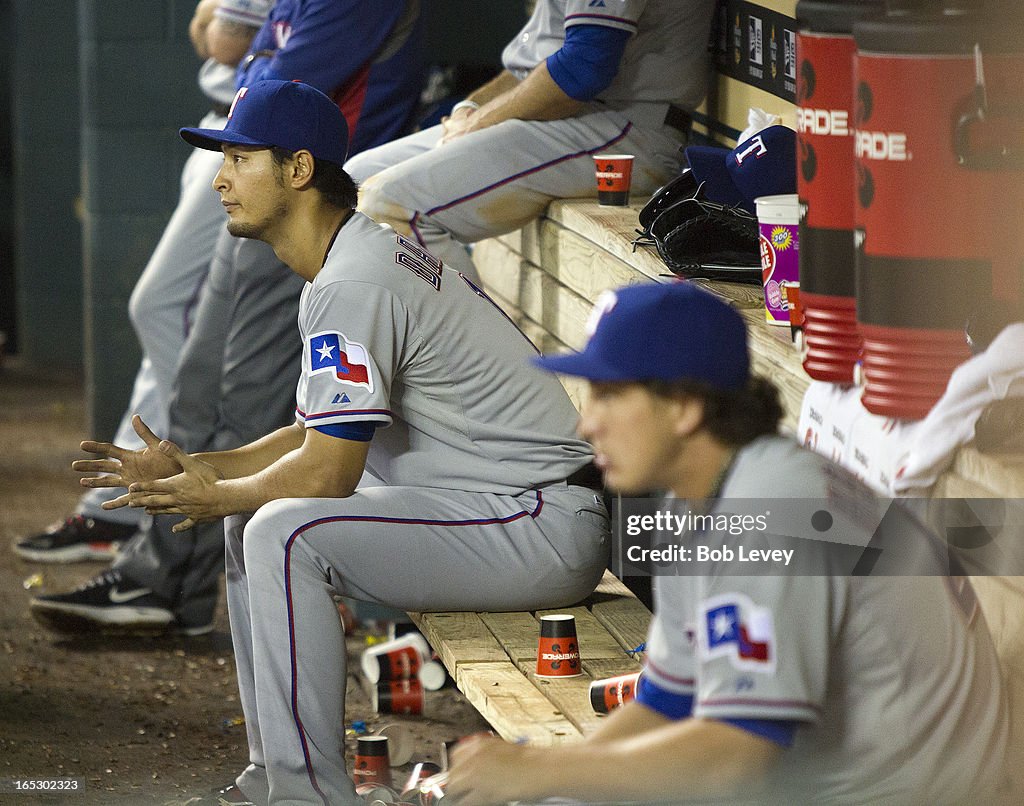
{"x":323,"y":44}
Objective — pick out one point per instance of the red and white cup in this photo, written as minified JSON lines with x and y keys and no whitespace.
{"x":372,"y":765}
{"x":404,"y":658}
{"x":608,"y":694}
{"x":399,"y":697}
{"x":558,"y":650}
{"x":614,"y":175}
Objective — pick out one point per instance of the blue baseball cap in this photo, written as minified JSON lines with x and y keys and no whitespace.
{"x":762,"y":165}
{"x":286,"y":114}
{"x":665,"y":332}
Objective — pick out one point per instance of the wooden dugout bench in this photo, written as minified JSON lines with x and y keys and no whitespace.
{"x":492,"y":656}
{"x":547,"y":277}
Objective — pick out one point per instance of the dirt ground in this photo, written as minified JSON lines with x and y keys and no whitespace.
{"x":152,"y":720}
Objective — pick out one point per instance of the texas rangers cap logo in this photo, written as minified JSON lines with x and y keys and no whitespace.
{"x":347,"y":361}
{"x":238,"y":97}
{"x":732,"y":626}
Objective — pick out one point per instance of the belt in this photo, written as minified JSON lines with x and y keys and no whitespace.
{"x":587,"y":476}
{"x":678,"y":119}
{"x":220,"y":109}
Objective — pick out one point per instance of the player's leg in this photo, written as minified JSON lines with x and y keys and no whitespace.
{"x":414,"y":548}
{"x":496,"y":180}
{"x":235,"y":383}
{"x":253,"y":780}
{"x":165,"y":299}
{"x":159,"y":309}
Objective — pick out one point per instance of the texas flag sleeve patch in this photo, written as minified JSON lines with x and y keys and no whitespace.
{"x":347,"y":361}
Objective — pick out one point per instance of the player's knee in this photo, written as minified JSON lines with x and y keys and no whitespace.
{"x":375,"y":203}
{"x":140,"y":307}
{"x":268,"y":532}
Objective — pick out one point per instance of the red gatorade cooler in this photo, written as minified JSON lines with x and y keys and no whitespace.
{"x":940,"y":192}
{"x":825,"y":184}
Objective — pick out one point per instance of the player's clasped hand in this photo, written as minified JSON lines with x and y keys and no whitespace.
{"x":190,"y":493}
{"x":122,"y":467}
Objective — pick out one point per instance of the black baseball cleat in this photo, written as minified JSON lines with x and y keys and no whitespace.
{"x":107,"y":602}
{"x":76,"y":539}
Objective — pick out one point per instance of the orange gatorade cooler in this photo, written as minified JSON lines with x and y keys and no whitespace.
{"x":939,"y":154}
{"x":825,"y":184}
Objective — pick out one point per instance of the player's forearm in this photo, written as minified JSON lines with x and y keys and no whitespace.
{"x":498,"y":85}
{"x":537,"y":97}
{"x":631,"y":719}
{"x":197,"y":27}
{"x":228,"y":41}
{"x":680,"y":760}
{"x":294,"y":475}
{"x":250,"y":459}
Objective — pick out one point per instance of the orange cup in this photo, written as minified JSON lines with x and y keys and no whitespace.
{"x":614,"y":175}
{"x":371,"y":763}
{"x":610,"y":693}
{"x":398,"y":697}
{"x":558,"y":651}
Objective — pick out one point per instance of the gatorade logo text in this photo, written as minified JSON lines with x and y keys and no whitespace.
{"x":889,"y":146}
{"x":835,"y":122}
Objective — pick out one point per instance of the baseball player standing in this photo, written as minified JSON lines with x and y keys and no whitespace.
{"x":410,"y":373}
{"x":164,"y":299}
{"x":769,"y":688}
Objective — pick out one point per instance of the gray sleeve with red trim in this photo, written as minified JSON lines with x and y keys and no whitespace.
{"x":763,"y":646}
{"x":352,"y":334}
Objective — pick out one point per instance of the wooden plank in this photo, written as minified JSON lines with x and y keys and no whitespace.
{"x":610,"y":228}
{"x":517,"y":633}
{"x":627,"y":620}
{"x":513,"y":706}
{"x":585,"y":267}
{"x":536,"y":293}
{"x":572,"y":697}
{"x":459,"y":638}
{"x":610,"y":585}
{"x":608,"y":667}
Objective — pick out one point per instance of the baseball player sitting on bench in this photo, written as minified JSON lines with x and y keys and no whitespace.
{"x":801,"y":688}
{"x":410,"y":373}
{"x":581,"y":78}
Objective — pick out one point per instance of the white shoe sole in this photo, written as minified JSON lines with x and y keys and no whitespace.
{"x":83,"y":552}
{"x":65,"y":617}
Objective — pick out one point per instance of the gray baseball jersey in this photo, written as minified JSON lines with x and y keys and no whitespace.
{"x":664,"y":60}
{"x":388,"y":336}
{"x":475,"y":512}
{"x":893,"y":680}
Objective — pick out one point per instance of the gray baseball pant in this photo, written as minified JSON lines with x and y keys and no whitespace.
{"x":415,"y":548}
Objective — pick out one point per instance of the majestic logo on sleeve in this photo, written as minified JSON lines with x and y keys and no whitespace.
{"x":348,"y":361}
{"x":732,"y":626}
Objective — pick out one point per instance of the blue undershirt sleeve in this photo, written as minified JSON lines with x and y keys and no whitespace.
{"x":680,"y":706}
{"x":357,"y":432}
{"x":780,"y":731}
{"x":588,"y":60}
{"x":665,"y":702}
